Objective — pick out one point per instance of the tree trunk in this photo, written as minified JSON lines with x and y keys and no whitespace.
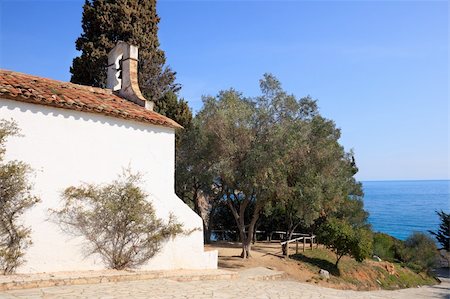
{"x":246,"y":235}
{"x":239,"y":218}
{"x":200,"y":200}
{"x":337,"y":261}
{"x":210,"y":222}
{"x":206,"y":234}
{"x":292,"y":230}
{"x":246,"y":245}
{"x":195,"y":199}
{"x":290,"y":226}
{"x":246,"y":248}
{"x":254,"y":233}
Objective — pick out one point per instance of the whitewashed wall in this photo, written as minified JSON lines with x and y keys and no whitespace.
{"x":65,"y":148}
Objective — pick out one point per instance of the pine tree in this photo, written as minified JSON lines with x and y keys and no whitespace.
{"x":443,"y":233}
{"x":104,"y":23}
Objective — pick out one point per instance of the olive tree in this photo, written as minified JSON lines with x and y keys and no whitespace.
{"x":226,"y":124}
{"x":15,"y":199}
{"x":244,"y":141}
{"x":262,"y":153}
{"x":117,"y":220}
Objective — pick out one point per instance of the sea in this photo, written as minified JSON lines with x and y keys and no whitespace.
{"x":400,"y":208}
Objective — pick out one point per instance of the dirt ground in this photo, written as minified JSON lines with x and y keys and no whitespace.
{"x":263,"y":255}
{"x":269,"y":254}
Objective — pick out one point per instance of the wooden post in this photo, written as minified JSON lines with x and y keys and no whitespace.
{"x":304,"y":243}
{"x":311,"y":242}
{"x":287,"y":250}
{"x":296,"y":246}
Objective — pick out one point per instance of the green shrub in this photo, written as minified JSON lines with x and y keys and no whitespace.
{"x":420,"y":252}
{"x":342,"y":238}
{"x":383,"y":246}
{"x":362,"y":244}
{"x":387,"y":247}
{"x":116,"y":220}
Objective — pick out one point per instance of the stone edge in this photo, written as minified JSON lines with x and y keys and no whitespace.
{"x":51,"y":282}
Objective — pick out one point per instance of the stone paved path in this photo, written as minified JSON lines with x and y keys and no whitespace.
{"x":240,"y":288}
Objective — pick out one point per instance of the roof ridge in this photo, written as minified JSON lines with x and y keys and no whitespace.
{"x":63,"y":83}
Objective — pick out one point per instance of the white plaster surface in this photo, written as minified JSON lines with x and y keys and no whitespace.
{"x":66,"y":148}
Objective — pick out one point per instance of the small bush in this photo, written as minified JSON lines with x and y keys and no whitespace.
{"x":15,"y":199}
{"x":387,"y":247}
{"x":420,"y":252}
{"x":116,"y":220}
{"x":383,"y":246}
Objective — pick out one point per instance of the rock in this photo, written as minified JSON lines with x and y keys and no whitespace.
{"x":390,"y":268}
{"x":376,"y":258}
{"x":324,"y":274}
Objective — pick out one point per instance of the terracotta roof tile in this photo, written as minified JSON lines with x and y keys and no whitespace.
{"x":31,"y":89}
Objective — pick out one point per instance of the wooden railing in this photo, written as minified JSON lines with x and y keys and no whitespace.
{"x":285,"y":244}
{"x":283,"y":233}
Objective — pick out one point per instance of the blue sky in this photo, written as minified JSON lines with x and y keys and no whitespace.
{"x":379,"y":69}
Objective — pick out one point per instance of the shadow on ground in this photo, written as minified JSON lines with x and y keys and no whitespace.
{"x":321,"y":263}
{"x":224,"y":262}
{"x":442,"y":272}
{"x":225,"y":244}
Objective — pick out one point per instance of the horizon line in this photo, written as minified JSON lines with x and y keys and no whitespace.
{"x":403,"y":180}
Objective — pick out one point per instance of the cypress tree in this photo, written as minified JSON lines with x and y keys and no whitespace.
{"x":177,"y":109}
{"x":104,"y":23}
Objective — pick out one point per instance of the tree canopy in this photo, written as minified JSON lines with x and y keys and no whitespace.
{"x":104,"y":23}
{"x":267,"y":152}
